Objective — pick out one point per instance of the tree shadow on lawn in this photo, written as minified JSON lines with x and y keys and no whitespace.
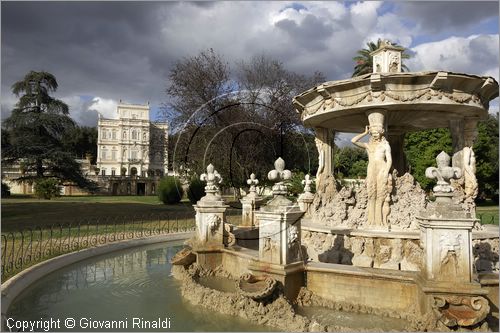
{"x":18,"y":216}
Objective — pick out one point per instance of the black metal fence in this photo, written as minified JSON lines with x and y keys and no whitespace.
{"x":487,"y":218}
{"x":21,"y":249}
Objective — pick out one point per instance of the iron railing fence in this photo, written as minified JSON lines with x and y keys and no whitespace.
{"x":24,"y":248}
{"x":487,"y":218}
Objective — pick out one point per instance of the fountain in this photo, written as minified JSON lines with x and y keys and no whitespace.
{"x":379,"y":249}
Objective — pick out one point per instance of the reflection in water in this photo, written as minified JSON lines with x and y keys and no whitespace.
{"x":120,"y":286}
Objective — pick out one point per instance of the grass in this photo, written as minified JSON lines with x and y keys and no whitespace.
{"x":20,"y":213}
{"x":102,"y":219}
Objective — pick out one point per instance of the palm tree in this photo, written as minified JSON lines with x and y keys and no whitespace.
{"x":364,"y":61}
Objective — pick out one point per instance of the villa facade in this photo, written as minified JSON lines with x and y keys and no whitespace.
{"x":132,"y":151}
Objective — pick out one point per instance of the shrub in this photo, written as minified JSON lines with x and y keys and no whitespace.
{"x":47,"y":188}
{"x":295,"y":186}
{"x":170,"y":190}
{"x":196,"y":190}
{"x":5,"y":190}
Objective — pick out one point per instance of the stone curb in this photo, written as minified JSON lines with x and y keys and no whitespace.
{"x":19,"y":282}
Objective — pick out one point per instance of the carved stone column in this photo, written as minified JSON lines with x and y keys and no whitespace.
{"x":306,"y":198}
{"x":211,"y":231}
{"x":324,"y":144}
{"x":280,"y":253}
{"x":250,"y":203}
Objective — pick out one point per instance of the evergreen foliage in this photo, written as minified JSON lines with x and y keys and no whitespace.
{"x":170,"y":190}
{"x":34,"y":133}
{"x":196,"y":190}
{"x":47,"y":188}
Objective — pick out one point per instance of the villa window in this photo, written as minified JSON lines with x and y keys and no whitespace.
{"x":113,"y":172}
{"x":103,"y":172}
{"x":113,"y":155}
{"x":134,"y":135}
{"x":114,"y":135}
{"x":104,"y":154}
{"x":124,"y":135}
{"x":134,"y":154}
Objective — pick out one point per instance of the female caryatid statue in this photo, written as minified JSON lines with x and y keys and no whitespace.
{"x":379,"y":164}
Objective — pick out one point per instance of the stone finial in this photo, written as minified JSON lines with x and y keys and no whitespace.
{"x":278,"y":175}
{"x":252,"y":181}
{"x":213,"y":178}
{"x":307,"y":184}
{"x":443,"y":173}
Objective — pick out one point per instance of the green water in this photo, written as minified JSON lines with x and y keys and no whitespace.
{"x":120,"y":286}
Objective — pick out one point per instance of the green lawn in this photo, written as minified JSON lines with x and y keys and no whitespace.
{"x":488,"y":215}
{"x":26,"y":212}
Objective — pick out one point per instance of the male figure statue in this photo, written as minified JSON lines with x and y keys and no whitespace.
{"x":379,"y":164}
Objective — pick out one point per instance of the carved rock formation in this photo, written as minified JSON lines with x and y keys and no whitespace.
{"x":346,"y":206}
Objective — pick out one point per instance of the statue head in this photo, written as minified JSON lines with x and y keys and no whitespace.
{"x":376,"y":120}
{"x":376,"y":131}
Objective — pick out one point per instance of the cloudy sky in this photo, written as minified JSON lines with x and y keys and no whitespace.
{"x":101,"y":52}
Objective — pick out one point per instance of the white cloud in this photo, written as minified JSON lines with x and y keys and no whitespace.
{"x":476,"y":54}
{"x":105,"y":107}
{"x":364,"y":16}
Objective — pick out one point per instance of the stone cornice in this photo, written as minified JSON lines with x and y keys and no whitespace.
{"x":455,"y":93}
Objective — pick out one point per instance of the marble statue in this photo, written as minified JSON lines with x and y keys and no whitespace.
{"x":379,"y":164}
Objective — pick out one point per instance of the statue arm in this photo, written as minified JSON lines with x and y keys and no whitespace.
{"x":388,"y":157}
{"x":355,"y":140}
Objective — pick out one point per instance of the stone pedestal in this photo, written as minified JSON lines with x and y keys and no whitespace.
{"x":210,"y":218}
{"x":447,"y":277}
{"x":279,"y":233}
{"x":305,"y":201}
{"x":447,"y":245}
{"x":248,"y":207}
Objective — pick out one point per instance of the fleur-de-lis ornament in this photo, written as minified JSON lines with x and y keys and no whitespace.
{"x":307,"y":184}
{"x":443,"y":173}
{"x":213,"y":178}
{"x":252,"y":181}
{"x":279,"y":175}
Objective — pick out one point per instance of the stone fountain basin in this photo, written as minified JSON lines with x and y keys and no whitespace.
{"x":219,"y":283}
{"x":345,"y":320}
{"x":256,"y":286}
{"x":413,"y":101}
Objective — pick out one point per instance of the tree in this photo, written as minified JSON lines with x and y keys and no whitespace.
{"x":35,"y":130}
{"x":421,"y":150}
{"x":170,"y":190}
{"x":241,"y":120}
{"x":82,"y":142}
{"x":486,"y":151}
{"x":364,"y":61}
{"x":350,"y":162}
